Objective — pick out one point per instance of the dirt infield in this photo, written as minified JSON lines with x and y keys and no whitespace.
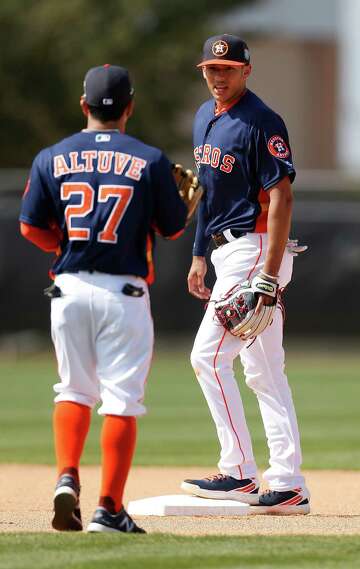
{"x":26,"y":502}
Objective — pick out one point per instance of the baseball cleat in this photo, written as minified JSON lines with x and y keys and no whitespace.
{"x":224,"y":487}
{"x":287,"y":503}
{"x":67,"y":515}
{"x":103,"y":521}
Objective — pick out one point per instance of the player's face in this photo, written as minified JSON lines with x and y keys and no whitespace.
{"x":225,"y":82}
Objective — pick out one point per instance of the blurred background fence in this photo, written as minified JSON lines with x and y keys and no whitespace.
{"x":306,"y":65}
{"x":322,"y":300}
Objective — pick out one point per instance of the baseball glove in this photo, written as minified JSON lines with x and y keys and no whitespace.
{"x":189,"y":188}
{"x":236,"y":312}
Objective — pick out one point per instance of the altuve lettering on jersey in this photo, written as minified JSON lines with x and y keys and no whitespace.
{"x":105,"y":192}
{"x":100,"y":161}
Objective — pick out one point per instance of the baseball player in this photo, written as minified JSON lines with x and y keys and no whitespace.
{"x":242,"y":151}
{"x":94,"y":198}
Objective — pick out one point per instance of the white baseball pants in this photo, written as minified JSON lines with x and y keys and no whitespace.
{"x":103,"y":341}
{"x":212,"y":358}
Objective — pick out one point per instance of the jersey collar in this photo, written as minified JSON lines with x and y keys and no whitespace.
{"x":223,"y":109}
{"x":100,"y":130}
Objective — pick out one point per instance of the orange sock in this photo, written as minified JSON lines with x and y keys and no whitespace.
{"x":118,"y":440}
{"x":71,"y":423}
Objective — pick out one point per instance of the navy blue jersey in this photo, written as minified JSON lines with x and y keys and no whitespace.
{"x":240,"y":154}
{"x":107,"y":192}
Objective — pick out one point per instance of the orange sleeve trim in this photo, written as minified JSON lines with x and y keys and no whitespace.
{"x":261,"y":222}
{"x":150,"y":262}
{"x":150,"y":279}
{"x":27,"y":187}
{"x":46,"y":239}
{"x":175,"y":236}
{"x":171,"y":237}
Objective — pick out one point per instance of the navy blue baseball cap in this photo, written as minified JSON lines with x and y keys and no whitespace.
{"x":108,"y":86}
{"x":225,"y":50}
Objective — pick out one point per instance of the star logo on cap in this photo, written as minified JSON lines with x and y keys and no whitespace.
{"x":219,"y":48}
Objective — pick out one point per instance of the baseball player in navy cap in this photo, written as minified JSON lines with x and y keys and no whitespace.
{"x":242,"y":152}
{"x":95,"y":198}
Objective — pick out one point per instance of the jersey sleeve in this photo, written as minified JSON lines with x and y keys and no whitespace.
{"x":201,"y":242}
{"x":37,"y":207}
{"x":170,"y":212}
{"x":272,"y":153}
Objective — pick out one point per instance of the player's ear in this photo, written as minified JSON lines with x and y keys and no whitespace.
{"x":203,"y":69}
{"x":129,"y":109}
{"x":84,"y":106}
{"x":247,"y":71}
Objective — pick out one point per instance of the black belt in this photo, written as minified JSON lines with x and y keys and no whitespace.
{"x":220,"y":239}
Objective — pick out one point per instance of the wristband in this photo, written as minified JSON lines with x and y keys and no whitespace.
{"x":263,"y":286}
{"x":272,"y":278}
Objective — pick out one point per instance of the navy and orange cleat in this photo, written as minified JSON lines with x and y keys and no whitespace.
{"x":103,"y":521}
{"x":67,"y":515}
{"x":224,"y":487}
{"x":286,"y":503}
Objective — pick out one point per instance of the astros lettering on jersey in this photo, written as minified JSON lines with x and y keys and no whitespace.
{"x":245,"y":150}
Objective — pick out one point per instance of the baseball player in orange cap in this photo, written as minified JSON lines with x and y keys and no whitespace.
{"x":242,"y":152}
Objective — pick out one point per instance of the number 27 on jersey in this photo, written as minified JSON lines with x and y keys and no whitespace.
{"x":122,"y":196}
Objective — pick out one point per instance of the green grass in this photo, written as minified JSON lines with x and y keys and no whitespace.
{"x":178,"y":429}
{"x":43,"y":551}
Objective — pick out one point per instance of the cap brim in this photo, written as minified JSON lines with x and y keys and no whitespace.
{"x":221,"y":62}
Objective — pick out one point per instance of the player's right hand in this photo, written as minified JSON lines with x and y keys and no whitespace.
{"x":196,"y":279}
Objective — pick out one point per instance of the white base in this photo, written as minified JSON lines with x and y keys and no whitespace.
{"x":180,"y":505}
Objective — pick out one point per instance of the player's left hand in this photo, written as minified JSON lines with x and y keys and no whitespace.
{"x":264,"y":300}
{"x":266,"y":289}
{"x":236,"y":312}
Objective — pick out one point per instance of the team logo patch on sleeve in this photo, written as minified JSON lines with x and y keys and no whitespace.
{"x":220,"y":48}
{"x":278,"y":147}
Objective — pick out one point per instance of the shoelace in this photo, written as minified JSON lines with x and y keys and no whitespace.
{"x":216,"y":477}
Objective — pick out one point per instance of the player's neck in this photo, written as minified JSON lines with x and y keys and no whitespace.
{"x":221,"y":107}
{"x":94,"y":124}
